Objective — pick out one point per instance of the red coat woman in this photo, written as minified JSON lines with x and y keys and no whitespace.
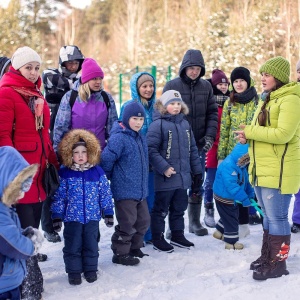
{"x":23,"y":115}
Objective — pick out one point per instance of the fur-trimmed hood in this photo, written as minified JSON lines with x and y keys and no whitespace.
{"x":163,"y":109}
{"x":73,"y":137}
{"x":14,"y":170}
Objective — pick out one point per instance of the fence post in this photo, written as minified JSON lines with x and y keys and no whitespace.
{"x":169,"y":73}
{"x":120,"y":89}
{"x":153,"y":72}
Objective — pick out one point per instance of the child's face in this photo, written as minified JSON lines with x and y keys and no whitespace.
{"x":31,"y":71}
{"x":223,"y":87}
{"x":146,"y":90}
{"x":240,"y":85}
{"x":136,"y":123}
{"x":95,"y":84}
{"x":80,"y":155}
{"x":174,"y":108}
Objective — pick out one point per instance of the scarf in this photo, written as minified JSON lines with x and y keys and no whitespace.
{"x":35,"y":103}
{"x":246,"y":96}
{"x":84,"y":167}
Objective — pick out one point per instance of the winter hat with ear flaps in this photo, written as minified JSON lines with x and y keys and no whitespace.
{"x":278,"y":67}
{"x":90,"y":70}
{"x":132,"y":109}
{"x":240,"y":73}
{"x":218,"y":76}
{"x":23,"y":56}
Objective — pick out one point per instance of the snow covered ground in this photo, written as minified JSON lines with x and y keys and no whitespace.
{"x":207,"y":271}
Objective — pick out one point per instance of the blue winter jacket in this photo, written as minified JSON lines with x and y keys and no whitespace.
{"x":171,"y":143}
{"x":136,"y":97}
{"x":82,"y":196}
{"x":15,"y":248}
{"x":232,"y":181}
{"x":125,"y":162}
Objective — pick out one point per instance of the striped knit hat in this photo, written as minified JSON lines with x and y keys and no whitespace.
{"x":278,"y":67}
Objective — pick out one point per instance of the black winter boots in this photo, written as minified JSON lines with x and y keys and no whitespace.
{"x":178,"y":239}
{"x":194,"y":211}
{"x":275,"y":265}
{"x":125,"y":259}
{"x":160,"y":244}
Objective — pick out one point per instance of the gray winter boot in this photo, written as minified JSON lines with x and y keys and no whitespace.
{"x":209,"y":219}
{"x":194,"y":211}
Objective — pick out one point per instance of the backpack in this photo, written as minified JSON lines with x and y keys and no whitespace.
{"x":75,"y":93}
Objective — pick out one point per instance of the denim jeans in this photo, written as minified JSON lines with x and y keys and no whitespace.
{"x":275,"y":207}
{"x":208,"y":185}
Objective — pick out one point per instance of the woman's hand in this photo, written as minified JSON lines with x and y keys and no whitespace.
{"x":240,"y":135}
{"x":170,"y":172}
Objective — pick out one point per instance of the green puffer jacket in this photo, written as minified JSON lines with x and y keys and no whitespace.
{"x":232,"y":118}
{"x":275,"y":148}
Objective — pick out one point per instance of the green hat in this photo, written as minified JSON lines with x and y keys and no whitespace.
{"x":278,"y":67}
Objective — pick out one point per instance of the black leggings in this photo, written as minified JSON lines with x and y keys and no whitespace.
{"x":30,"y":214}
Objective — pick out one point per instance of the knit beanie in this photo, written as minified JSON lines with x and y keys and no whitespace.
{"x":132,"y":109}
{"x":4,"y":62}
{"x":143,"y":78}
{"x":170,"y":96}
{"x":241,"y":73}
{"x":278,"y":67}
{"x":23,"y":56}
{"x":298,"y":66}
{"x":218,"y":76}
{"x":90,"y":70}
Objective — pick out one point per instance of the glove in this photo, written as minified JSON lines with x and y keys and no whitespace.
{"x":197,"y":182}
{"x":209,"y":141}
{"x":57,"y":225}
{"x":109,"y":220}
{"x":36,"y":237}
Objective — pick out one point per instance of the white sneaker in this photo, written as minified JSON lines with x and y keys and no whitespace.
{"x":243,"y":230}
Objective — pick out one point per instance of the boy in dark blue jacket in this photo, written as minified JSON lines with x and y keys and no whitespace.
{"x":125,"y":161}
{"x":232,"y":185}
{"x":174,"y":157}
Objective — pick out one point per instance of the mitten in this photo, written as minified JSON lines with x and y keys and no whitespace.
{"x":109,"y":220}
{"x":197,"y":183}
{"x":28,"y":232}
{"x":209,"y":141}
{"x":36,"y":237}
{"x":57,"y":224}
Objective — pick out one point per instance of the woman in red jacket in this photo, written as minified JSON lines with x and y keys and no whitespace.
{"x":24,"y":114}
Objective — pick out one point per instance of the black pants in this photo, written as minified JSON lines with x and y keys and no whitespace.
{"x":173,"y":202}
{"x":81,"y":246}
{"x":30,"y":214}
{"x":133,"y":221}
{"x":46,"y":220}
{"x":228,"y":223}
{"x":243,"y":214}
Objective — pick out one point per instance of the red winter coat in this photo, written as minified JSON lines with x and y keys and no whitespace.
{"x":211,"y":155}
{"x":15,"y":113}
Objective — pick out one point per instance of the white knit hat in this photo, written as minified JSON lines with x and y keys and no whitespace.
{"x":24,"y":55}
{"x":170,"y":96}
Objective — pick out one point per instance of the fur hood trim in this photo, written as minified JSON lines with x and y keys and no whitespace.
{"x":163,"y":110}
{"x":73,"y":137}
{"x":12,"y":191}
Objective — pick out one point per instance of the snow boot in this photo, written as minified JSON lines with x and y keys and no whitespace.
{"x":275,"y":266}
{"x":160,"y":244}
{"x":295,"y":228}
{"x":218,"y":235}
{"x":255,"y":219}
{"x":125,"y":259}
{"x":90,"y":276}
{"x":264,"y":252}
{"x":178,"y":239}
{"x":209,"y":219}
{"x":168,"y":234}
{"x":194,"y":211}
{"x":137,"y":253}
{"x":74,"y":278}
{"x":235,"y":246}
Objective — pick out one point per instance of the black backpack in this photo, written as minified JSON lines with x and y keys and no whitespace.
{"x":75,"y":93}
